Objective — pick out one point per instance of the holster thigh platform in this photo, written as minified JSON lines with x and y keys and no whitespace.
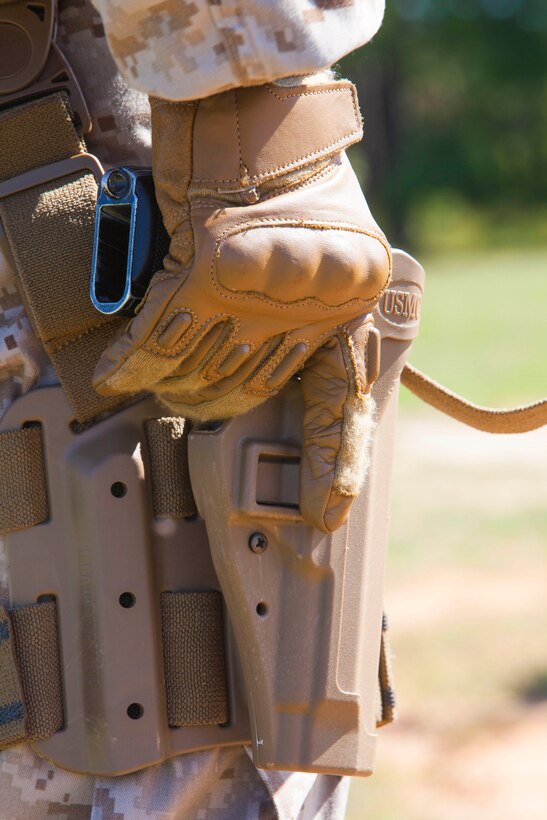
{"x":132,"y":587}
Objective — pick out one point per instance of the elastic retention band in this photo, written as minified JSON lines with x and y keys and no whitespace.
{"x":515,"y":420}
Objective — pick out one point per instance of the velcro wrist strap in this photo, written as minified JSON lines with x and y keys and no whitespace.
{"x":253,"y":134}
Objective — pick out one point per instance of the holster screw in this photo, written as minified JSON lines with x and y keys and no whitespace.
{"x":258,"y":542}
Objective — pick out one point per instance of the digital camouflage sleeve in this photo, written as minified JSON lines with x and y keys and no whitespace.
{"x":187,"y":49}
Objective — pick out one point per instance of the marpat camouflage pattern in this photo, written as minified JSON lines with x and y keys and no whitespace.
{"x":186,"y":49}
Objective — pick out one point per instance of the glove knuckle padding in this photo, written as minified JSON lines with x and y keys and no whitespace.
{"x":327,"y":263}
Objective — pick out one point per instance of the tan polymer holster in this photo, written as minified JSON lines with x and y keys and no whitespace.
{"x":165,"y":594}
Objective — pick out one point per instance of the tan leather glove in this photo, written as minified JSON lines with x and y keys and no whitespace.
{"x":274,"y":256}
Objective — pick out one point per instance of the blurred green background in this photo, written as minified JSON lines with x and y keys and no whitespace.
{"x":454,"y":166}
{"x":454,"y":96}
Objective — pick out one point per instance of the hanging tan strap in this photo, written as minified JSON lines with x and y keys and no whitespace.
{"x":31,"y":702}
{"x":47,"y":207}
{"x":516,"y":420}
{"x":23,"y":491}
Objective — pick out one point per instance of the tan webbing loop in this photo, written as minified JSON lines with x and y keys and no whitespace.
{"x":194,"y":658}
{"x":37,"y":648}
{"x":23,"y":491}
{"x":12,"y":723}
{"x":35,"y":134}
{"x":31,"y":699}
{"x":172,"y":495}
{"x":515,"y":420}
{"x":50,"y":231}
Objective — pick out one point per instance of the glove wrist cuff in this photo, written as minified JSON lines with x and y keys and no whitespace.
{"x":245,"y":137}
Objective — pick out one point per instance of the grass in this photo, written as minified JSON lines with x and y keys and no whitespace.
{"x":483,"y":328}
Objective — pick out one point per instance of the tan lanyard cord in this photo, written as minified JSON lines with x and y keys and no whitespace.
{"x":514,"y":420}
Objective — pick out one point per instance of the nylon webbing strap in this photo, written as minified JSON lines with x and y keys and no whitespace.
{"x":50,"y":231}
{"x":23,"y":492}
{"x":172,"y":495}
{"x":516,"y":420}
{"x":194,"y":658}
{"x":31,"y":700}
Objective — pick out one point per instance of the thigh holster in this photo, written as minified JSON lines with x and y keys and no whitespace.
{"x":165,"y":595}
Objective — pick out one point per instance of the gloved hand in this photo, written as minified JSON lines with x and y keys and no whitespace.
{"x":274,"y":262}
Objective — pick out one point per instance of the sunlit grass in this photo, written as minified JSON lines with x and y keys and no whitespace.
{"x":484,"y":325}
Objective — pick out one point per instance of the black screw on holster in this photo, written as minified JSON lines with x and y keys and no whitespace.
{"x":258,"y":542}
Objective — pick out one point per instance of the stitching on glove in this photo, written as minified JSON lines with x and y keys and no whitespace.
{"x":257,"y":384}
{"x":261,"y":378}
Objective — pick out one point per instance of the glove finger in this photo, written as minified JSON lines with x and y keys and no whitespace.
{"x":128,"y":365}
{"x":337,"y":427}
{"x":191,"y":396}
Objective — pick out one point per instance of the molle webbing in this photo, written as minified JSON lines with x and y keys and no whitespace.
{"x":31,"y":694}
{"x":23,"y":480}
{"x":31,"y":702}
{"x":193,"y":653}
{"x":167,"y":441}
{"x":49,"y":227}
{"x":23,"y":490}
